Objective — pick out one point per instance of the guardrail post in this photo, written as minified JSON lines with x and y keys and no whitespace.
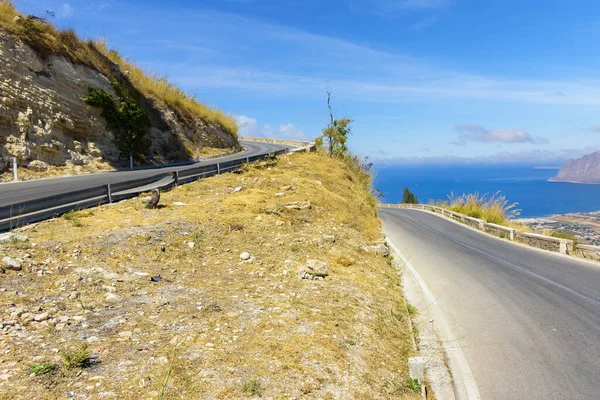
{"x":218,"y":169}
{"x":247,"y":160}
{"x":130,"y":160}
{"x":15,"y":173}
{"x":563,"y":247}
{"x":108,"y":193}
{"x":176,"y":177}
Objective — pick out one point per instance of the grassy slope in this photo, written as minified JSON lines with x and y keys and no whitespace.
{"x":46,"y":40}
{"x":216,"y":326}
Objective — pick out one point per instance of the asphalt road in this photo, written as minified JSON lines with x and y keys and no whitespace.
{"x":17,"y":192}
{"x":527,"y":321}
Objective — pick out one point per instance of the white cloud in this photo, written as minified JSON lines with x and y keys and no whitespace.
{"x":478,"y":133}
{"x":65,"y":11}
{"x":250,"y":127}
{"x":532,"y":157}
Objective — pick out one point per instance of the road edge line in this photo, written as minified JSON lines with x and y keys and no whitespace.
{"x":463,"y":382}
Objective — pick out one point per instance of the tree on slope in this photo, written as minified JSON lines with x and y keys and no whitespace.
{"x":335,"y":135}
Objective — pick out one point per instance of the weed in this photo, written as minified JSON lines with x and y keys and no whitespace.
{"x":413,"y":384}
{"x":42,"y":369}
{"x":79,"y":357}
{"x":73,"y":216}
{"x":252,"y":387}
{"x":563,"y":235}
{"x":412,"y":310}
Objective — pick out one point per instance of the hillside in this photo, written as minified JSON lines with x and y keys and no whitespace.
{"x":64,"y":101}
{"x":582,"y":170}
{"x":270,"y":284}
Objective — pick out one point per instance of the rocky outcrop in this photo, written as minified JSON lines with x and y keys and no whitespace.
{"x":43,"y":116}
{"x":582,"y":170}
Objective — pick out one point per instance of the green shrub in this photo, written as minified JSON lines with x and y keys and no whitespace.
{"x":413,"y":384}
{"x":252,"y":387}
{"x":42,"y":369}
{"x":125,"y":118}
{"x":79,"y":357}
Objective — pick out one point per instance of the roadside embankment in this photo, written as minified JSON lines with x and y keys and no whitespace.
{"x":270,"y":282}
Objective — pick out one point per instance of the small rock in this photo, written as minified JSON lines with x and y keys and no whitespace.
{"x":111,"y":297}
{"x":179,"y":204}
{"x":279,"y":195}
{"x":126,"y":334}
{"x":258,"y":218}
{"x":315,"y":268}
{"x":41,"y":317}
{"x":279,"y":223}
{"x":329,"y":238}
{"x":298,"y":205}
{"x":12,"y":237}
{"x":92,"y":339}
{"x":237,"y":189}
{"x":5,"y":377}
{"x":287,"y":188}
{"x":380,"y":249}
{"x":318,"y":182}
{"x":245,"y":256}
{"x":156,"y":278}
{"x":191,"y":244}
{"x":12,"y":264}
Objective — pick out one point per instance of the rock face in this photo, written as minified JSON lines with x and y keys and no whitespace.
{"x":582,"y":170}
{"x":43,"y":116}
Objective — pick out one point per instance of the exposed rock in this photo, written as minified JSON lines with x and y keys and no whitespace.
{"x":582,"y":170}
{"x":43,"y":115}
{"x":288,"y":188}
{"x":12,"y":237}
{"x":314,"y":269}
{"x":380,"y":249}
{"x":38,"y":166}
{"x":279,"y":195}
{"x":11,"y":264}
{"x":298,"y":205}
{"x":179,"y":204}
{"x":41,"y":317}
{"x":245,"y":256}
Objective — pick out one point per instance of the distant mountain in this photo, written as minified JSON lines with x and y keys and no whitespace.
{"x":581,"y":170}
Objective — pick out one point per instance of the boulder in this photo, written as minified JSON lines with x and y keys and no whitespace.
{"x":11,"y":264}
{"x":298,"y":205}
{"x":380,"y":249}
{"x":38,"y":166}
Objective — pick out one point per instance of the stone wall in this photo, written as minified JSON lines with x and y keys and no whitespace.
{"x":540,"y":241}
{"x":43,"y":116}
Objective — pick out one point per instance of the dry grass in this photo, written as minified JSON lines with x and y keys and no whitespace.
{"x":494,"y":209}
{"x":215,"y":327}
{"x":47,"y":40}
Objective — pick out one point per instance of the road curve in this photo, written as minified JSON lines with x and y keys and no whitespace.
{"x":17,"y":192}
{"x":527,"y":321}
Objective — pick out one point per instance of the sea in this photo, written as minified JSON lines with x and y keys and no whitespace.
{"x":526,"y":185}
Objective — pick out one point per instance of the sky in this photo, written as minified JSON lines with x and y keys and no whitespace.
{"x":425,"y":81}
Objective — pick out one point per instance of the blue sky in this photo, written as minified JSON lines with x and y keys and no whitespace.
{"x":426,"y":81}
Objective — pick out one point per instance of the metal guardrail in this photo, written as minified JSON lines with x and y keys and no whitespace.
{"x":18,"y":214}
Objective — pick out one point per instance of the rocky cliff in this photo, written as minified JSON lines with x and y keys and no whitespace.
{"x":44,"y":119}
{"x":582,"y":170}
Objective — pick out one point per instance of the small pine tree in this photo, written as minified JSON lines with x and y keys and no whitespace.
{"x":409,"y":197}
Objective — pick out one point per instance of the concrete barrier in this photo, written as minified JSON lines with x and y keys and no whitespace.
{"x":548,"y":243}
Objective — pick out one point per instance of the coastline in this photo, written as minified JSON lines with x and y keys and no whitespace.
{"x":577,"y":182}
{"x":584,"y":226}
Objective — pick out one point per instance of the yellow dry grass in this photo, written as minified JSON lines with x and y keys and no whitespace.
{"x":47,"y":40}
{"x":215,"y":327}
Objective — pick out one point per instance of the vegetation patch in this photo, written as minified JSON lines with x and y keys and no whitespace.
{"x":125,"y":118}
{"x":42,"y":369}
{"x":495,"y":209}
{"x":216,"y":319}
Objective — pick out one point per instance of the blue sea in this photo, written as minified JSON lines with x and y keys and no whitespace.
{"x":525,"y":185}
